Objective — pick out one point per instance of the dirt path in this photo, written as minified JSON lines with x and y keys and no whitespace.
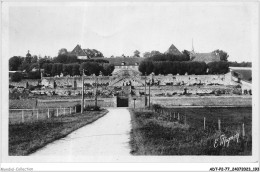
{"x":107,"y":137}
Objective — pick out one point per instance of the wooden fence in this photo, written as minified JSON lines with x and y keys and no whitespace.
{"x":174,"y":115}
{"x":32,"y":115}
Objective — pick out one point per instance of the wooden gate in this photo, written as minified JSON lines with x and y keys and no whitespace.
{"x":122,"y":101}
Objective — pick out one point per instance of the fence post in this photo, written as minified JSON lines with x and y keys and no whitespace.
{"x":75,"y":110}
{"x":70,"y":110}
{"x":219,"y":125}
{"x":37,"y":114}
{"x":204,"y":123}
{"x":57,"y":112}
{"x":22,"y":116}
{"x":178,"y":116}
{"x":243,"y":130}
{"x":185,"y":120}
{"x":48,"y":113}
{"x":174,"y":115}
{"x":64,"y":111}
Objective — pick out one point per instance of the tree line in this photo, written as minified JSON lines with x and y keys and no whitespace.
{"x":65,"y":64}
{"x":183,"y":67}
{"x":74,"y":69}
{"x":167,"y":57}
{"x":242,"y":64}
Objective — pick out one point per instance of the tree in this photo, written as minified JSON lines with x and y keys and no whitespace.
{"x":34,"y":75}
{"x":186,"y":53}
{"x":43,"y":60}
{"x":14,"y":63}
{"x":137,"y":53}
{"x":154,"y":52}
{"x":147,"y":54}
{"x":75,"y":69}
{"x":28,"y":59}
{"x":150,"y":54}
{"x":59,"y":68}
{"x":16,"y":77}
{"x":146,"y":67}
{"x":222,"y":54}
{"x":25,"y":66}
{"x":242,"y":64}
{"x":220,"y":67}
{"x":47,"y":68}
{"x":90,"y":68}
{"x":34,"y":59}
{"x":63,"y":51}
{"x":108,"y":69}
{"x":33,"y":65}
{"x":64,"y":58}
{"x":54,"y":70}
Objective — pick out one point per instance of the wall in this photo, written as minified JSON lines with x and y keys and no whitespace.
{"x":22,"y":83}
{"x":140,"y":80}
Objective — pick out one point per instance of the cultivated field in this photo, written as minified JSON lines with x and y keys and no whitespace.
{"x":180,"y":131}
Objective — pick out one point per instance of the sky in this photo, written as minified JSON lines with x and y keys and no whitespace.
{"x":121,"y":28}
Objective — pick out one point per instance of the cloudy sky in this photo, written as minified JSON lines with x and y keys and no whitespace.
{"x":121,"y":28}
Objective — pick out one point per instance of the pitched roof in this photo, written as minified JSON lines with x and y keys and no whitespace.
{"x":78,"y":51}
{"x":205,"y":57}
{"x":173,"y":50}
{"x":129,"y":61}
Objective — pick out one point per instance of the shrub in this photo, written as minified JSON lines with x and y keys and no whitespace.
{"x":156,"y":107}
{"x":92,"y":108}
{"x":31,"y":87}
{"x":16,"y":77}
{"x":34,"y":75}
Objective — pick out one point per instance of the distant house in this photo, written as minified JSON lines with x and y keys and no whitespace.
{"x":85,"y":53}
{"x":125,"y":63}
{"x":204,"y":57}
{"x":173,"y":50}
{"x":79,"y":52}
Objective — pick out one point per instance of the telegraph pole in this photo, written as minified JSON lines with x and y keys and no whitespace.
{"x":145,"y":100}
{"x":149,"y":93}
{"x":96,"y":92}
{"x":82,"y":100}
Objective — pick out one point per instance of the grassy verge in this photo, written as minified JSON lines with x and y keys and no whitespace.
{"x":154,"y":134}
{"x":28,"y":137}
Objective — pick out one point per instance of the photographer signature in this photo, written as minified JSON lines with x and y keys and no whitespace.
{"x":224,"y":141}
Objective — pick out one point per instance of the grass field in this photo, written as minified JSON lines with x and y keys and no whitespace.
{"x":203,"y":101}
{"x":161,"y":134}
{"x":28,"y":137}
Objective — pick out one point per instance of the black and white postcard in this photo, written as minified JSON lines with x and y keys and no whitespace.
{"x":130,"y":82}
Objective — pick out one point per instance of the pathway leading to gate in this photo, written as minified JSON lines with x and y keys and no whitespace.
{"x":108,"y":137}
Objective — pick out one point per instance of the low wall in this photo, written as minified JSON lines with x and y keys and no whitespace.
{"x":23,"y":82}
{"x":160,"y":79}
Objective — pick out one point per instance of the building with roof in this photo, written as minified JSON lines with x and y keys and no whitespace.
{"x":125,"y":63}
{"x":204,"y":57}
{"x":173,"y":50}
{"x":85,"y":53}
